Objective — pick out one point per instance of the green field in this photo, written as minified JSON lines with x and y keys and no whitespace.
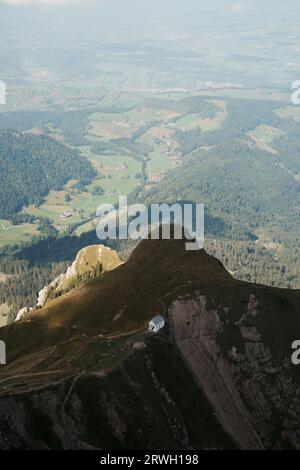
{"x":289,"y":112}
{"x":264,"y":135}
{"x":118,"y":178}
{"x":268,"y":94}
{"x":11,"y":234}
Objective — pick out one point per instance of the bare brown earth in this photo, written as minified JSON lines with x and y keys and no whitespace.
{"x":83,"y":372}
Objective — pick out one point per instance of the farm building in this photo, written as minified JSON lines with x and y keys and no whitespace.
{"x":66,"y":215}
{"x":157,"y":323}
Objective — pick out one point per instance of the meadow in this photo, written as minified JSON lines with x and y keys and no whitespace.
{"x":13,"y":234}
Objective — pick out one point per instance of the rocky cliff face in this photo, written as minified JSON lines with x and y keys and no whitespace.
{"x":251,"y":386}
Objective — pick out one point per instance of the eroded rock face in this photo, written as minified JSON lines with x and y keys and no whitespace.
{"x":252,"y":391}
{"x":94,"y":259}
{"x":22,"y":312}
{"x":87,"y":260}
{"x":45,"y":292}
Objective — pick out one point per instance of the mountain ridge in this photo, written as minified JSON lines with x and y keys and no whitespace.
{"x":228,"y":338}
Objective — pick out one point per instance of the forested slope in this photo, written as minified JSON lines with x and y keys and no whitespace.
{"x":32,"y":165}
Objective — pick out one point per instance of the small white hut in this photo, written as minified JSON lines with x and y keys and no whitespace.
{"x":157,"y":323}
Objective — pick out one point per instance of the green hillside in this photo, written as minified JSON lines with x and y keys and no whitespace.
{"x":32,"y":165}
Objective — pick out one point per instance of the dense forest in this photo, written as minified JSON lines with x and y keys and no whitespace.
{"x":24,"y":282}
{"x":32,"y":165}
{"x":239,"y":185}
{"x":251,"y":262}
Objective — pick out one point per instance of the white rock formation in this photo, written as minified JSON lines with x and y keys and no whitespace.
{"x":87,"y":260}
{"x":23,"y":312}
